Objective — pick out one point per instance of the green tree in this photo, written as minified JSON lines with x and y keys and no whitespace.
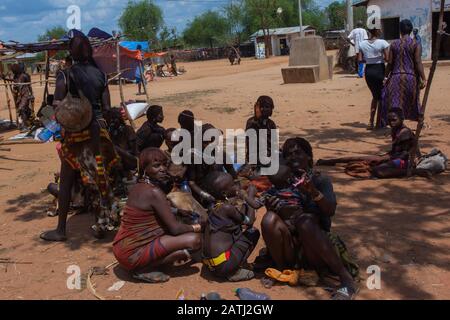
{"x":235,"y":15}
{"x":263,"y":14}
{"x":54,"y":33}
{"x":167,"y":38}
{"x":141,"y":20}
{"x":360,"y":14}
{"x":337,"y":15}
{"x":208,"y":29}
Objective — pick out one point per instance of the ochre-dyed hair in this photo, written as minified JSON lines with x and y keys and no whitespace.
{"x":148,"y":156}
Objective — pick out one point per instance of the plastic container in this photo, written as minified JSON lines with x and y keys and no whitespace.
{"x":247,"y":294}
{"x":45,"y":135}
{"x":213,"y":296}
{"x":184,"y":187}
{"x":53,"y":126}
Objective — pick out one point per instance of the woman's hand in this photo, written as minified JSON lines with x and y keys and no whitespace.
{"x":207,"y":197}
{"x":308,"y":187}
{"x":273,"y":204}
{"x":423,"y":84}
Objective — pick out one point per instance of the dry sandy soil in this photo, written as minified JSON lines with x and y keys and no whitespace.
{"x":403,"y":226}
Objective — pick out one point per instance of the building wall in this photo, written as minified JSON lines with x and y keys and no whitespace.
{"x":275,"y":45}
{"x":420,"y":12}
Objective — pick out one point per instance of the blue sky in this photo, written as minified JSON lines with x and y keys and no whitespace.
{"x":24,"y":20}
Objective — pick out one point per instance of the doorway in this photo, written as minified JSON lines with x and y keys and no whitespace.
{"x":444,"y":52}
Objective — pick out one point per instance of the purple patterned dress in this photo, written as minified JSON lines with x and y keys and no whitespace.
{"x":402,"y":89}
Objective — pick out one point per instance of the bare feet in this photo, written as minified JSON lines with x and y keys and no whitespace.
{"x":54,"y":236}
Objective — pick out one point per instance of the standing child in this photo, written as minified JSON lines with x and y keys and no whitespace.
{"x":261,"y":121}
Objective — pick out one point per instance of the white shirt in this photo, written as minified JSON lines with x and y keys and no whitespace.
{"x":358,"y":35}
{"x":373,"y":51}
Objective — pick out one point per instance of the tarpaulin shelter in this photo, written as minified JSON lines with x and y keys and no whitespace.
{"x":134,"y":45}
{"x":106,"y":58}
{"x":106,"y":51}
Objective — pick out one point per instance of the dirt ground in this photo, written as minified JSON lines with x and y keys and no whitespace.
{"x":403,"y":226}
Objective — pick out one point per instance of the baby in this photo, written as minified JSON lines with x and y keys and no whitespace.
{"x":229,"y":236}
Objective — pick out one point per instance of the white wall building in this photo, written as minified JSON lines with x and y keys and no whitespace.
{"x":280,"y":38}
{"x":424,"y":15}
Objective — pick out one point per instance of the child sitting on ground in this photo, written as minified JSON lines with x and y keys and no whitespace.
{"x":226,"y":246}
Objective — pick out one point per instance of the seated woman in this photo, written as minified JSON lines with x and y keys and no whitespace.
{"x":177,"y":172}
{"x":151,"y":134}
{"x":124,"y":139}
{"x":394,"y":164}
{"x":313,"y":246}
{"x":226,"y":247}
{"x":150,"y":235}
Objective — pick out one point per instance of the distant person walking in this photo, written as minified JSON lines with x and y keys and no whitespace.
{"x":375,"y":53}
{"x":406,"y":76}
{"x":356,"y":37}
{"x":417,"y":36}
{"x":140,"y":78}
{"x":23,"y":96}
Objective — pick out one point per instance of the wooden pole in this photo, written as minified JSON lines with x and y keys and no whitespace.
{"x":15,"y":103}
{"x":437,"y":49}
{"x":47,"y":73}
{"x":144,"y":84}
{"x":122,"y":96}
{"x":8,"y":102}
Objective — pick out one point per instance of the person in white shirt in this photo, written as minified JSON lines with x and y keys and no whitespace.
{"x":356,"y":37}
{"x":375,"y":52}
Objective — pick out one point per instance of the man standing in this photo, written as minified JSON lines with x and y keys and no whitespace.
{"x":23,"y":96}
{"x":355,"y":37}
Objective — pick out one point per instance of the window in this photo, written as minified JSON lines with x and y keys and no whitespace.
{"x":391,"y":28}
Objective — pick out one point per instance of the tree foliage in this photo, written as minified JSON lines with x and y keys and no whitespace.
{"x":337,"y":15}
{"x":207,"y":30}
{"x":54,"y":33}
{"x":141,"y":20}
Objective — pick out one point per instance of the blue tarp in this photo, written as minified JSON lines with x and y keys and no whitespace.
{"x":133,"y":45}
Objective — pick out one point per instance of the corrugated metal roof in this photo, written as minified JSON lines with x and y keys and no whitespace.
{"x":281,"y":31}
{"x":360,"y":2}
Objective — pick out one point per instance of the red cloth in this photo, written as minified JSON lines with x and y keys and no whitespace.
{"x":138,"y":243}
{"x":262,"y":184}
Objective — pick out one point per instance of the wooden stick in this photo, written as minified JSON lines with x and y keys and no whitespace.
{"x":47,"y":73}
{"x":437,"y":49}
{"x":24,"y":83}
{"x":8,"y":103}
{"x":15,"y":105}
{"x":122,"y":96}
{"x":141,"y":66}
